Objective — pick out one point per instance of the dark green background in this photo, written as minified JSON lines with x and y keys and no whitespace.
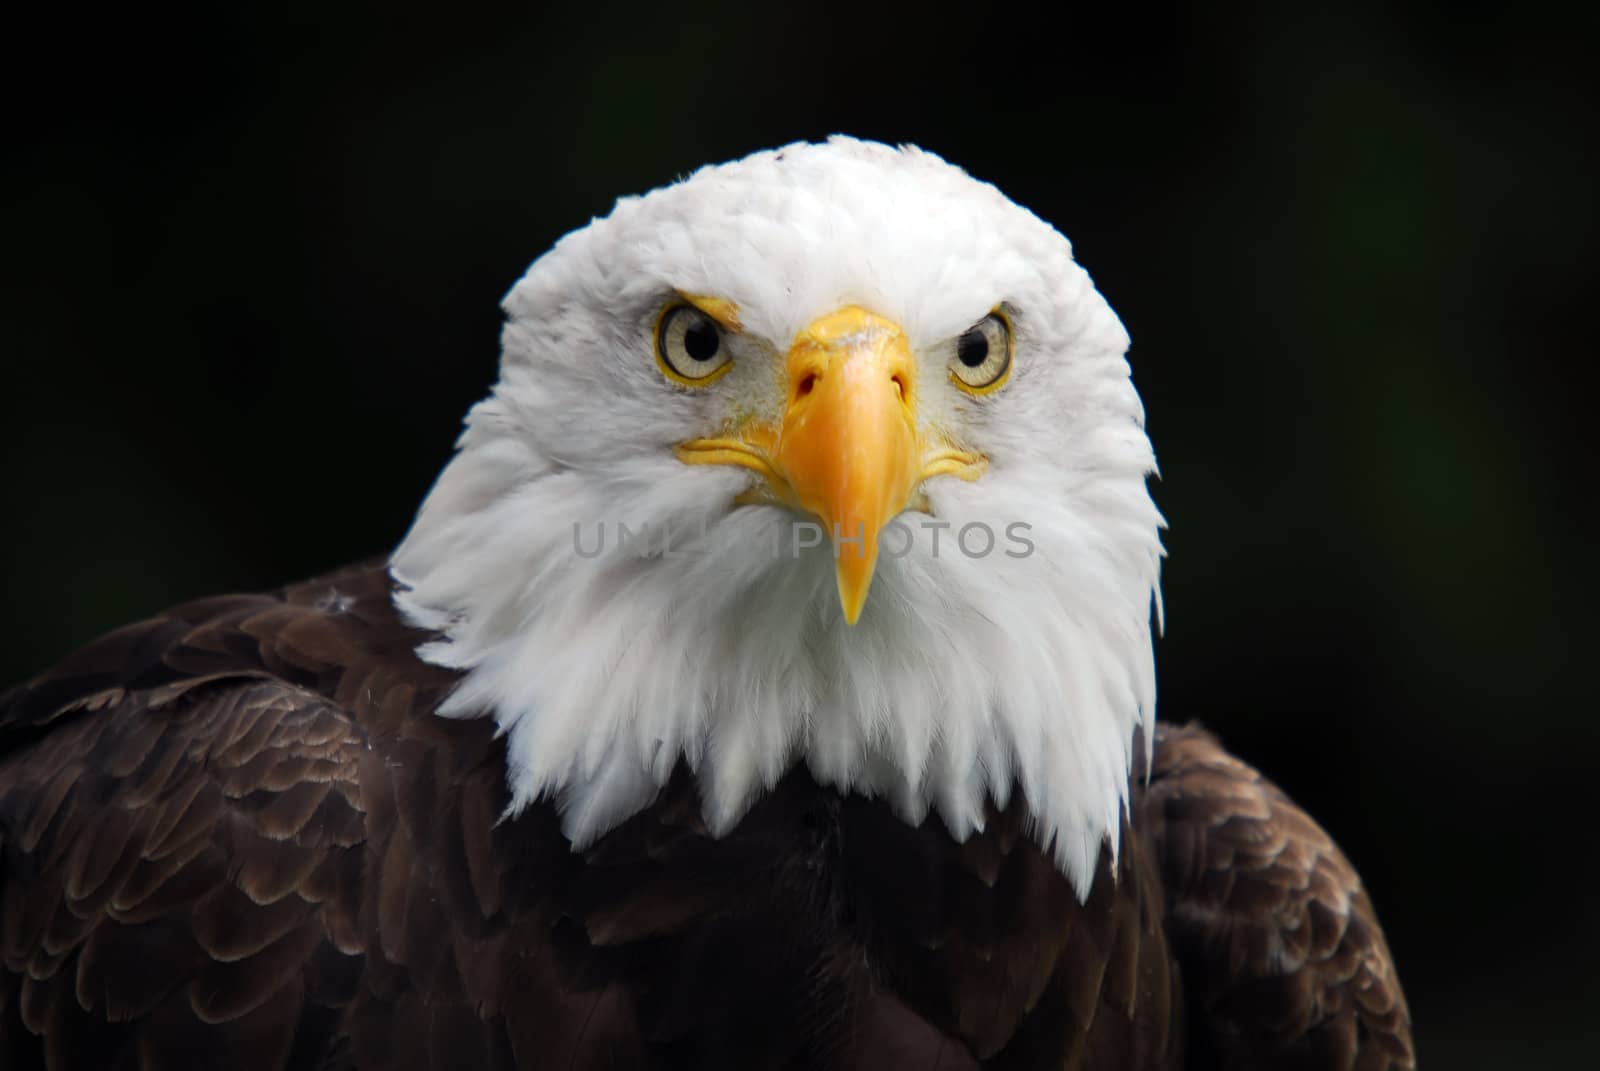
{"x":252,"y":265}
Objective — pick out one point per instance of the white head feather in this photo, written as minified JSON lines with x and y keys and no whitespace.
{"x":966,"y":675}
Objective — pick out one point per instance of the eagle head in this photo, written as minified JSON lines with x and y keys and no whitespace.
{"x":830,"y":456}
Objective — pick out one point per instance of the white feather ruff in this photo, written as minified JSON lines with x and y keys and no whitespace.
{"x":965,"y":678}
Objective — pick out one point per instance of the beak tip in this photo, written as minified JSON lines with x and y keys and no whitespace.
{"x":853,"y":599}
{"x":853,"y":573}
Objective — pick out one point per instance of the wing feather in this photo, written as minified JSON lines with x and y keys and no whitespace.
{"x":1283,"y":960}
{"x":158,"y":863}
{"x":181,"y":833}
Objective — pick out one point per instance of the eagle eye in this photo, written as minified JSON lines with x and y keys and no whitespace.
{"x":689,"y":345}
{"x":983,"y":355}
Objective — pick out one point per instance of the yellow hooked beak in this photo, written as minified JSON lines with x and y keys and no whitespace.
{"x":848,"y":448}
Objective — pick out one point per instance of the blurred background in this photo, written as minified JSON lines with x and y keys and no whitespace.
{"x":252,"y":265}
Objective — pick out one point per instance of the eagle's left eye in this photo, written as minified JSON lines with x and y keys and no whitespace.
{"x":690,"y":346}
{"x":983,"y":355}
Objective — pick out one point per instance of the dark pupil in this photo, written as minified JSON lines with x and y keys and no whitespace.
{"x":973,"y":349}
{"x":701,"y":340}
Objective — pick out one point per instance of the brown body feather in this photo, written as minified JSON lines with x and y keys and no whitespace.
{"x":237,"y":836}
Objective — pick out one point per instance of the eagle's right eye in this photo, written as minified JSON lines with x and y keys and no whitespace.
{"x":690,"y":346}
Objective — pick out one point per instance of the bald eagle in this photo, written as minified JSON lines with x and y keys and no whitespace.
{"x":767,"y":682}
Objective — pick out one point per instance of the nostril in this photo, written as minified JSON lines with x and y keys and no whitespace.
{"x":899,"y":385}
{"x":807,"y":382}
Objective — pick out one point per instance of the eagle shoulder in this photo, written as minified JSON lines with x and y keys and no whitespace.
{"x":1283,"y":959}
{"x":217,"y":837}
{"x":177,"y":870}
